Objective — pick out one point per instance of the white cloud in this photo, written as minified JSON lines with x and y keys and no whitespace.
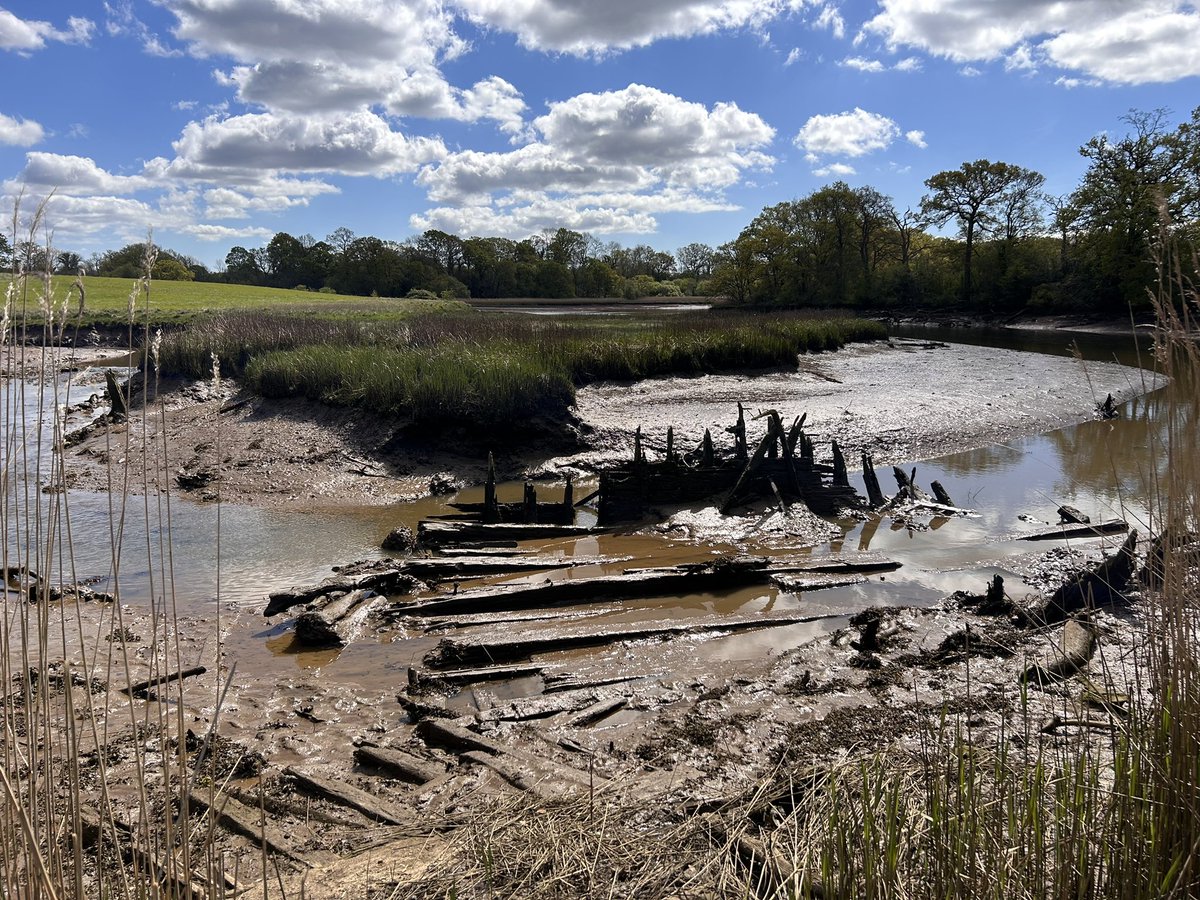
{"x":854,"y":133}
{"x":830,"y":17}
{"x":572,"y":26}
{"x":863,"y":65}
{"x":330,"y":56}
{"x":1021,"y":60}
{"x":242,"y":147}
{"x":1121,"y":41}
{"x":20,"y":132}
{"x":793,"y":57}
{"x":75,"y":175}
{"x":970,"y":71}
{"x":841,"y":170}
{"x":908,"y":64}
{"x":610,"y":159}
{"x":121,"y":20}
{"x":916,"y":138}
{"x":27,"y":35}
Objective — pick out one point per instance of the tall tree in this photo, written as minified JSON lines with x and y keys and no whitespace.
{"x":972,"y":196}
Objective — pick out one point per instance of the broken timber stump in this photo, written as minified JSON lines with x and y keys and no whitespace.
{"x":940,"y":494}
{"x":491,"y":512}
{"x":839,"y":467}
{"x":404,"y":765}
{"x":1072,"y":516}
{"x":874,"y":493}
{"x":1102,"y":586}
{"x":1074,"y":651}
{"x":335,"y":623}
{"x":118,"y":408}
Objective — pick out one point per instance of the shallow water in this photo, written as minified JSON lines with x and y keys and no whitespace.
{"x":1103,"y":468}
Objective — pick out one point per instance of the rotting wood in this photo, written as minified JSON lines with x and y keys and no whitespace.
{"x":450,"y":653}
{"x":1101,"y":586}
{"x":840,"y":477}
{"x":568,"y":682}
{"x":385,"y":580}
{"x":597,"y":712}
{"x":799,"y":583}
{"x":407,"y":766}
{"x":940,"y":494}
{"x":907,"y":483}
{"x":445,"y":568}
{"x":532,"y":775}
{"x":632,"y":583}
{"x":1074,"y":651}
{"x":490,"y":510}
{"x":118,"y":409}
{"x":1073,"y":516}
{"x":871,"y":480}
{"x":1062,"y":532}
{"x":543,"y":707}
{"x":347,"y":795}
{"x":485,"y":673}
{"x":336,"y":623}
{"x":141,"y":687}
{"x":247,"y":822}
{"x":432,"y":533}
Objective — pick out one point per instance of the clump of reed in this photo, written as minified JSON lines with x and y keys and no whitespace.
{"x":493,"y":369}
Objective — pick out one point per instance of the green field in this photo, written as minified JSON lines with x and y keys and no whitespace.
{"x":184,"y":302}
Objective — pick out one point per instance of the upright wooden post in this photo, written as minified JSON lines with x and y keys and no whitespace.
{"x":839,"y":467}
{"x":707,"y":458}
{"x":638,"y":458}
{"x":531,"y":515}
{"x":874,"y":493}
{"x":491,"y":511}
{"x":739,"y":435}
{"x":670,"y":443}
{"x":569,"y":497}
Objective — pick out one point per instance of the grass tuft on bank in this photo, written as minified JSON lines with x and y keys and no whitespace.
{"x":443,"y":365}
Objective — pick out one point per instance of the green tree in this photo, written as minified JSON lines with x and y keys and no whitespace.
{"x":168,"y":268}
{"x":973,"y":195}
{"x":695,"y":260}
{"x":67,"y":263}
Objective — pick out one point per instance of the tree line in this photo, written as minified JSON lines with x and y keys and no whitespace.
{"x":1015,"y":246}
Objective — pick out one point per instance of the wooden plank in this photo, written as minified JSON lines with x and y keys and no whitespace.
{"x":484,"y":673}
{"x":405,"y":765}
{"x":1063,"y":532}
{"x":141,"y":687}
{"x":451,"y":653}
{"x":347,"y":795}
{"x":598,"y":711}
{"x":529,"y":774}
{"x":246,"y":821}
{"x":336,"y":623}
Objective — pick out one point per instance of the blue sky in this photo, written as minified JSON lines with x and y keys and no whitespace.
{"x":221,"y":122}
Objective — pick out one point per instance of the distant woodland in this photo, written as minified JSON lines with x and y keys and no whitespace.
{"x":1014,"y":247}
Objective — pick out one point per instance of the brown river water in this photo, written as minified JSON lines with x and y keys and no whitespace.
{"x":239,"y":554}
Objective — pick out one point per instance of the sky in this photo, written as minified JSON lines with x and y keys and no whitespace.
{"x":214,"y":123}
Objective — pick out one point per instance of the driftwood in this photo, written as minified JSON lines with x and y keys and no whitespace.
{"x":597,"y":712}
{"x":410,"y":768}
{"x":248,"y":822}
{"x":1075,"y":649}
{"x":118,"y":409}
{"x":1062,"y":532}
{"x":1073,"y":516}
{"x":368,"y":804}
{"x":142,"y":687}
{"x":815,"y":582}
{"x":568,"y":682}
{"x":387,"y":580}
{"x":1101,"y":586}
{"x":907,"y":484}
{"x":450,"y":653}
{"x":335,"y":623}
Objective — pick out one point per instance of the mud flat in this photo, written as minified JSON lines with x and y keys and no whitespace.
{"x":898,"y":400}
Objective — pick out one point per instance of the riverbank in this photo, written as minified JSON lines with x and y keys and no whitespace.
{"x":898,"y":400}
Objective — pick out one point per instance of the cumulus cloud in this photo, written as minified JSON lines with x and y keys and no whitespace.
{"x":239,"y":148}
{"x":916,"y":138}
{"x":612,"y":159}
{"x":854,"y":133}
{"x":793,"y":57}
{"x":830,"y":17}
{"x":1121,"y":41}
{"x":570,"y":26}
{"x":343,"y":55}
{"x":20,"y":132}
{"x":27,"y":35}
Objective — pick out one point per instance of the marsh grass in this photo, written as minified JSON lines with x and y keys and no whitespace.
{"x":441,"y":364}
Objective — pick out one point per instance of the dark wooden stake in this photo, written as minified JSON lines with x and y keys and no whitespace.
{"x":569,"y":495}
{"x":491,"y":511}
{"x":874,"y":494}
{"x":941,"y":494}
{"x":638,"y":458}
{"x":839,"y":467}
{"x":707,"y":458}
{"x":670,"y":444}
{"x":531,"y":511}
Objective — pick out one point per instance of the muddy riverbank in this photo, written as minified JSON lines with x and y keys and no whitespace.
{"x":898,"y":400}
